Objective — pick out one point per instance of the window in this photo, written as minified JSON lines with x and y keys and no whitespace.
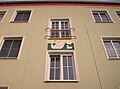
{"x":2,"y":13}
{"x":3,"y":87}
{"x":60,"y":28}
{"x":10,"y":47}
{"x":62,"y":67}
{"x":112,"y":47}
{"x":118,"y":14}
{"x":101,"y":16}
{"x":22,"y":16}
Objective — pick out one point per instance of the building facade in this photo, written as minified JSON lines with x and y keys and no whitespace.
{"x":63,"y":45}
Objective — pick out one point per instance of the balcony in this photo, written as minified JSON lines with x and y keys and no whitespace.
{"x":60,"y":34}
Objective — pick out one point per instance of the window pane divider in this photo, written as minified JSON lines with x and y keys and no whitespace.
{"x":61,"y":67}
{"x":10,"y":48}
{"x":100,"y":17}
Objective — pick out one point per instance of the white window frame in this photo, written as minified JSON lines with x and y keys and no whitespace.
{"x":110,"y":38}
{"x":20,"y":49}
{"x":4,"y":86}
{"x":3,"y":16}
{"x":117,"y":14}
{"x":15,"y":14}
{"x":98,"y":11}
{"x":59,"y":21}
{"x":47,"y":68}
{"x":50,"y":26}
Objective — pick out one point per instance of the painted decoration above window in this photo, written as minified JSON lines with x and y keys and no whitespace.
{"x":61,"y":46}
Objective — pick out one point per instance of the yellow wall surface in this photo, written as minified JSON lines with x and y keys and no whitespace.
{"x":94,"y":69}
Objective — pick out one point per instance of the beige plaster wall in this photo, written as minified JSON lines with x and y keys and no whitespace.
{"x":95,"y":71}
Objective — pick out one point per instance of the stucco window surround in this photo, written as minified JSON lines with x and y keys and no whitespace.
{"x":118,"y":14}
{"x":60,"y":28}
{"x":61,"y":66}
{"x":2,"y":15}
{"x":101,"y":16}
{"x":21,"y":16}
{"x":11,"y":46}
{"x":4,"y":87}
{"x":112,"y":47}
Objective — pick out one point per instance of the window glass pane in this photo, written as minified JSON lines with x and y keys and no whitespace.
{"x":25,"y":16}
{"x":57,"y":74}
{"x":1,"y":16}
{"x":18,"y":17}
{"x":4,"y":52}
{"x":13,"y":52}
{"x":104,"y":17}
{"x":68,"y":34}
{"x":52,"y":62}
{"x":101,"y":16}
{"x":65,"y":73}
{"x":110,"y":50}
{"x":118,"y":13}
{"x":71,"y":73}
{"x":69,"y":60}
{"x":2,"y":13}
{"x":55,"y":25}
{"x":51,"y":73}
{"x":57,"y":68}
{"x":63,"y":33}
{"x":117,"y":47}
{"x":22,"y":16}
{"x":97,"y":17}
{"x":10,"y":47}
{"x":7,"y":44}
{"x":57,"y":62}
{"x":64,"y":61}
{"x":64,"y":25}
{"x":16,"y":44}
{"x":5,"y":48}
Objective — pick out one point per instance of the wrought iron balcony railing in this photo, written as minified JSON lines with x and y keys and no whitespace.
{"x":59,"y":33}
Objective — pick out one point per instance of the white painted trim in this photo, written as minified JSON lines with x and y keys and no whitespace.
{"x":47,"y":66}
{"x":76,"y":62}
{"x":59,"y":18}
{"x":110,"y":16}
{"x":116,"y":14}
{"x":4,"y":15}
{"x":21,"y":47}
{"x":30,"y":16}
{"x":2,"y":41}
{"x":104,"y":47}
{"x":101,"y":10}
{"x":15,"y":14}
{"x":92,"y":16}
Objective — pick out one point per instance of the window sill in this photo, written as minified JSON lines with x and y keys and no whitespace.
{"x":19,"y":22}
{"x":114,"y":58}
{"x":60,"y":38}
{"x":61,"y":81}
{"x":51,"y":38}
{"x":8,"y":58}
{"x":104,"y":22}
